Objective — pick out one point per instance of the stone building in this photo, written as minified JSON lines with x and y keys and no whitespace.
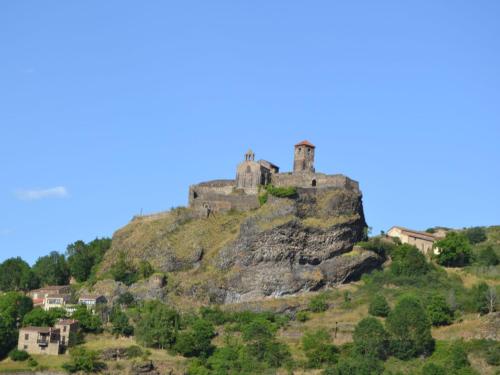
{"x":251,"y":176}
{"x":421,"y":240}
{"x":47,"y":340}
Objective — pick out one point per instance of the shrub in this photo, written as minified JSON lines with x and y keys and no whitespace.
{"x":438,"y":311}
{"x":378,"y":245}
{"x":302,"y":316}
{"x":126,"y":299}
{"x":433,"y":369}
{"x":158,"y":325}
{"x":408,"y":261}
{"x":263,"y":198}
{"x":83,"y":360}
{"x":87,"y":321}
{"x":134,"y":351}
{"x":282,"y":192}
{"x":318,"y":350}
{"x":371,"y":339}
{"x":32,"y":362}
{"x":454,"y":250}
{"x":121,"y":325}
{"x":357,"y":365}
{"x":458,"y":356}
{"x":123,"y":270}
{"x":493,"y":355}
{"x":488,"y":257}
{"x":318,"y":303}
{"x":18,"y":355}
{"x":379,"y":306}
{"x":197,"y":341}
{"x":410,"y":329}
{"x":479,"y":293}
{"x":475,"y":235}
{"x":214,"y":315}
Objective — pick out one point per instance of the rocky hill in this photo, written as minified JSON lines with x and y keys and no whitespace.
{"x":287,"y":246}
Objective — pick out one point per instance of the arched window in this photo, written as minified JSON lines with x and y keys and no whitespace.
{"x":313,"y":183}
{"x":249,"y":169}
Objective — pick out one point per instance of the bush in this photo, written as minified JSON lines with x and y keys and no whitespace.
{"x":121,"y":325}
{"x":84,"y":360}
{"x":158,"y":325}
{"x":318,"y":350}
{"x":433,"y":369}
{"x":196,"y":341}
{"x":458,"y":356}
{"x":357,"y":365}
{"x":134,"y":351}
{"x":371,"y":339}
{"x":318,"y":303}
{"x":123,"y":270}
{"x":282,"y":192}
{"x":408,"y":261}
{"x":302,"y":316}
{"x":126,"y":299}
{"x":454,"y":250}
{"x":379,"y":306}
{"x":410,"y":329}
{"x":18,"y":355}
{"x":488,"y":257}
{"x":214,"y":315}
{"x":32,"y":362}
{"x":378,"y":245}
{"x":493,"y":355}
{"x":438,"y":311}
{"x":475,"y":235}
{"x":87,"y":321}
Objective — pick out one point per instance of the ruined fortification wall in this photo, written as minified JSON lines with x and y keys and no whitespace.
{"x":306,"y":180}
{"x":220,"y":196}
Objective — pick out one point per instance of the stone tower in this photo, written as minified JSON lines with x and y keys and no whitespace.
{"x":304,"y":157}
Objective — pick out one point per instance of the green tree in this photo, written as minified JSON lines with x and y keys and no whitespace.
{"x":158,"y":325}
{"x":454,"y":250}
{"x":41,"y":318}
{"x":7,"y":335}
{"x":123,"y":270}
{"x":121,"y":323}
{"x":197,"y":340}
{"x":488,"y":257}
{"x":318,"y":349}
{"x":83,"y":257}
{"x":16,"y":275}
{"x":379,"y":306}
{"x":479,"y":297}
{"x":52,"y":269}
{"x":438,"y":311}
{"x":84,"y":360}
{"x":371,"y":339}
{"x":410,"y":329}
{"x":408,"y":261}
{"x":476,"y":235}
{"x":88,"y":321}
{"x":145,"y":269}
{"x":15,"y":306}
{"x":126,"y":299}
{"x":458,"y":356}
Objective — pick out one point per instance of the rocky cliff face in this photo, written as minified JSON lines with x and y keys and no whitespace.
{"x":287,"y":246}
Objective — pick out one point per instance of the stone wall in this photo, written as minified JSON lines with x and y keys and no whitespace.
{"x":305,"y":180}
{"x":220,"y":196}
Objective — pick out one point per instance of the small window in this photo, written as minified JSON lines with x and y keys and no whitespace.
{"x":313,"y":183}
{"x":64,"y":328}
{"x":249,"y":170}
{"x":26,"y":336}
{"x":25,"y":347}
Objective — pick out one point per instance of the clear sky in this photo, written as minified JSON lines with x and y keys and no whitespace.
{"x":111,"y":107}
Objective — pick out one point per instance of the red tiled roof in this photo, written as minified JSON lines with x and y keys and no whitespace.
{"x":305,"y":143}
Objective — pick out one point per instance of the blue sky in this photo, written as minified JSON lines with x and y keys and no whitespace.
{"x":110,"y":107}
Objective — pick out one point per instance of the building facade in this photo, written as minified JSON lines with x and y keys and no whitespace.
{"x":421,"y":240}
{"x":47,"y":340}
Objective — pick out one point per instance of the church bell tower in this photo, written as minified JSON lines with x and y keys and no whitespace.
{"x":304,"y":157}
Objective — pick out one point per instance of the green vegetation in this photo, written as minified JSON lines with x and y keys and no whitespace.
{"x":84,"y":360}
{"x":282,"y":192}
{"x":83,"y":258}
{"x":38,"y":317}
{"x":88,"y":321}
{"x":318,"y":349}
{"x":16,"y":275}
{"x":410,"y":329}
{"x":454,"y":250}
{"x":18,"y":355}
{"x":319,"y":303}
{"x":52,"y":269}
{"x":379,"y":306}
{"x":475,"y":235}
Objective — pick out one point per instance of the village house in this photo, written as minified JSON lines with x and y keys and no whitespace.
{"x":53,"y":301}
{"x":47,"y":340}
{"x":91,"y":301}
{"x":50,"y":290}
{"x":421,"y":240}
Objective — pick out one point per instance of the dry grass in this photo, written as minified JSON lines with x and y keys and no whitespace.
{"x":469,"y":279}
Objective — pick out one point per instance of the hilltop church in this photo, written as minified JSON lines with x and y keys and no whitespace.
{"x":242,"y":192}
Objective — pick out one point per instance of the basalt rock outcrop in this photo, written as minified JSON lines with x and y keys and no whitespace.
{"x":287,"y":246}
